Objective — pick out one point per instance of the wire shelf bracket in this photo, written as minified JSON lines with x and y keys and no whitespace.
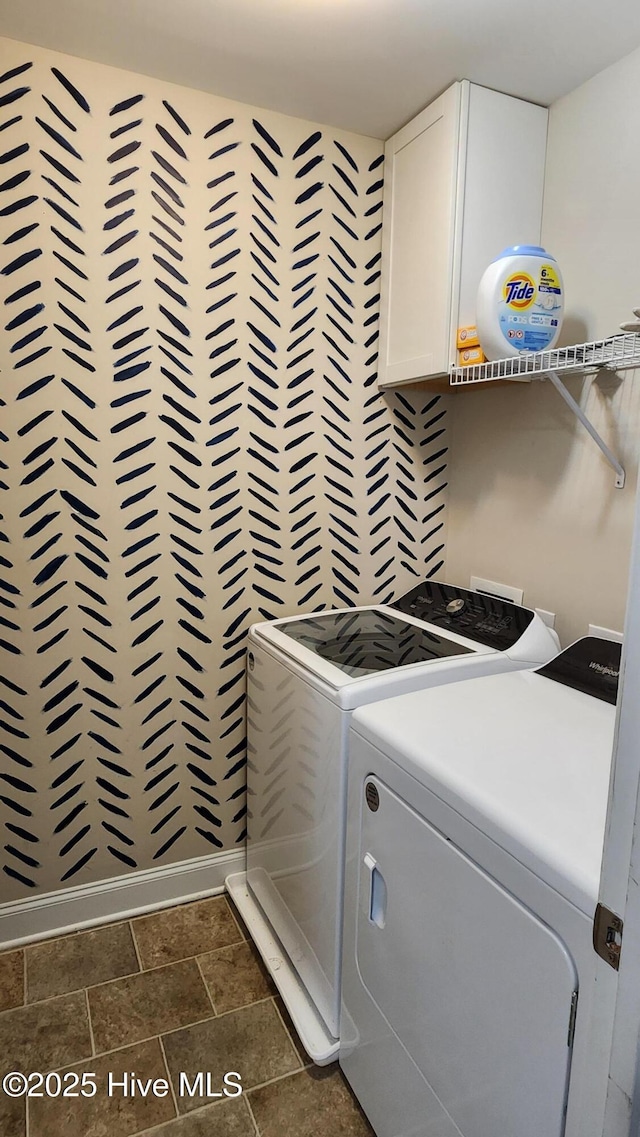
{"x":613,"y":354}
{"x":588,"y":425}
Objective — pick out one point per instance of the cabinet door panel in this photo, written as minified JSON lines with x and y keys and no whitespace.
{"x":505,"y":149}
{"x":418,"y":226}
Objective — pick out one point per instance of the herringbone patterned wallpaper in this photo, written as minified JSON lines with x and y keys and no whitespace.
{"x":192,"y":439}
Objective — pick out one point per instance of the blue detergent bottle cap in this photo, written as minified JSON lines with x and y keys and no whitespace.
{"x":524,"y":251}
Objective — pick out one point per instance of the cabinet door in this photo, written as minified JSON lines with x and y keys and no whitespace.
{"x":503,"y":153}
{"x":418,"y":233}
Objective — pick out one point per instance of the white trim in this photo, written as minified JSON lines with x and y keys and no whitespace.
{"x":118,"y":898}
{"x":319,"y":1044}
{"x":618,"y":1026}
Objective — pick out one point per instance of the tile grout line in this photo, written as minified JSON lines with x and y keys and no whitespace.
{"x":272,"y":1081}
{"x":135,"y":945}
{"x":251,"y":1113}
{"x":93,"y":1041}
{"x":155,"y":1128}
{"x":223,"y":947}
{"x":26,"y":1104}
{"x":27,"y":1122}
{"x":206,"y":985}
{"x":230,"y":906}
{"x":233,"y":1010}
{"x":169,"y":1078}
{"x":287,"y":1032}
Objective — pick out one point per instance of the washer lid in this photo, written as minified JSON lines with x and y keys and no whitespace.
{"x":363,"y":642}
{"x":370,"y":652}
{"x":525,"y":759}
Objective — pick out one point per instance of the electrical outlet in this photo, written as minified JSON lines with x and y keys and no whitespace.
{"x":605,"y":633}
{"x":501,"y":591}
{"x":548,"y":618}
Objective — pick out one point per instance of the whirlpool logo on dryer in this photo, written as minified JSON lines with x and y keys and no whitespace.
{"x":602,"y":669}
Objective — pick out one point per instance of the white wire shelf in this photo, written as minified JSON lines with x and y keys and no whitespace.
{"x":614,"y":353}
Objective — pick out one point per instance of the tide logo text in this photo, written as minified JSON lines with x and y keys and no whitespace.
{"x":519,"y":291}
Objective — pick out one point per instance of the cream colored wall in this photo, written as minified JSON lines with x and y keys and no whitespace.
{"x":532,"y":500}
{"x":191,"y":439}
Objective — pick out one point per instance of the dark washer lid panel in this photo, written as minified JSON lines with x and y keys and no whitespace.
{"x":363,"y":642}
{"x":496,"y":623}
{"x":590,"y":665}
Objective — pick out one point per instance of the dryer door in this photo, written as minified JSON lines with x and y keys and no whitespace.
{"x":477,"y":991}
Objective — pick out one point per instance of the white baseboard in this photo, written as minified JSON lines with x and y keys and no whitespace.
{"x":120,"y":897}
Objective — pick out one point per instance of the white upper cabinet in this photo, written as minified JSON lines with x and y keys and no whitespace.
{"x":463,"y":181}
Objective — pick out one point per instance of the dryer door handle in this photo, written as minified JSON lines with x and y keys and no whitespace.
{"x":377,"y":892}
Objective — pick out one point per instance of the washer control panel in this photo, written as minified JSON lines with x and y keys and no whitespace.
{"x":485,"y":619}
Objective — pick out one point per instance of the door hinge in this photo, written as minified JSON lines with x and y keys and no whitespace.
{"x":607,"y":935}
{"x":572,"y":1019}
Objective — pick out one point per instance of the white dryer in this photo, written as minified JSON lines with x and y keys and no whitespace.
{"x":475,"y":830}
{"x":306,"y":675}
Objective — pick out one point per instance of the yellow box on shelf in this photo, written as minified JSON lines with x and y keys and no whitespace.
{"x":470,"y":355}
{"x":467,"y":336}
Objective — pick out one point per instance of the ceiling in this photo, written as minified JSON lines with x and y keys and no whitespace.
{"x":364,"y":65}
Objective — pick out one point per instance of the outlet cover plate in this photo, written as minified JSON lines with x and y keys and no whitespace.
{"x":548,"y":618}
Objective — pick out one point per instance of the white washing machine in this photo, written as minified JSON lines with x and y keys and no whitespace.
{"x":476,"y":818}
{"x":305,"y":677}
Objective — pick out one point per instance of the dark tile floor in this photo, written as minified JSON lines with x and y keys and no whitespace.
{"x":171,"y":994}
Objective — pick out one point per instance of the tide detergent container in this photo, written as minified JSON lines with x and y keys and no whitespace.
{"x":520,"y":302}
